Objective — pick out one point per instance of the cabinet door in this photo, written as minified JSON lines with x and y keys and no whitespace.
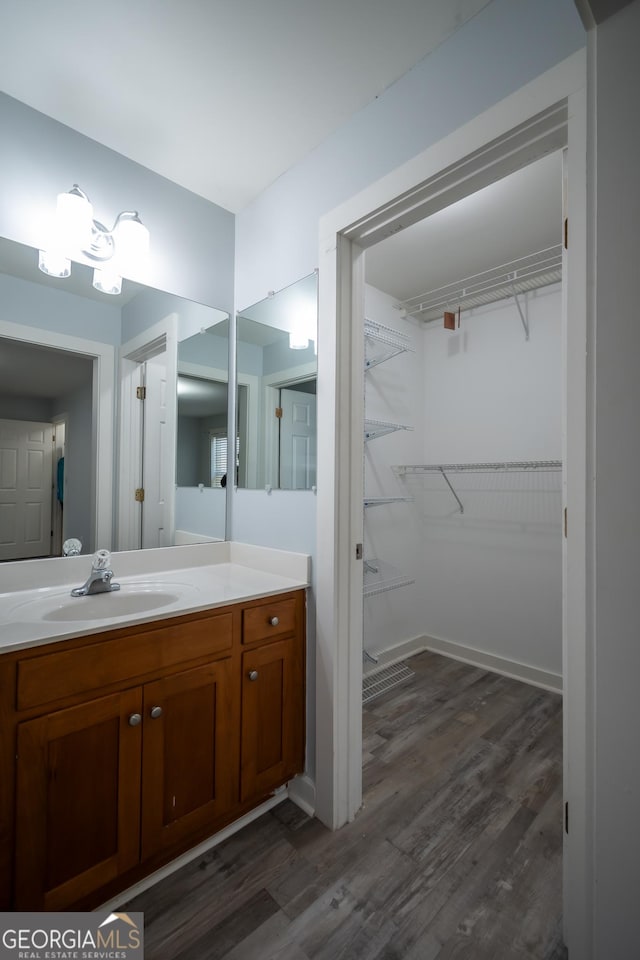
{"x":78,"y":800}
{"x":187,"y":776}
{"x":272,"y":716}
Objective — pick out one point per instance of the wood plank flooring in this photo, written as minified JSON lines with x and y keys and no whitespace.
{"x":456,"y":852}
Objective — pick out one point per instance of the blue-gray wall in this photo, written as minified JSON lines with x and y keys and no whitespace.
{"x":192,"y":240}
{"x":507,"y":44}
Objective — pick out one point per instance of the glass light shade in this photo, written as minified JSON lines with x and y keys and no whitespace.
{"x":74,"y":219}
{"x":107,"y":281}
{"x":54,"y":263}
{"x":131,"y":242}
{"x":298,"y":340}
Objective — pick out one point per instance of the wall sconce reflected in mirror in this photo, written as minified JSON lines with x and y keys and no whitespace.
{"x":304,"y":325}
{"x":121,"y":249}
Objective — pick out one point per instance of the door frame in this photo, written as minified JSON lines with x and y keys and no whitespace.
{"x":504,"y":138}
{"x":161,"y":336}
{"x":103,"y":356}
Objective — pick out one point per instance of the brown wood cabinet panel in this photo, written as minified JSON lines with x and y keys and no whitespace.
{"x":78,"y":800}
{"x":258,"y":621}
{"x":188,"y":767}
{"x":272,"y":716}
{"x":130,"y":654}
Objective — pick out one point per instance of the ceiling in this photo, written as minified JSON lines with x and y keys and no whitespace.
{"x":221,"y":97}
{"x":41,"y":372}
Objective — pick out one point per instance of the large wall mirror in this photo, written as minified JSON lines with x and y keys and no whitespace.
{"x":276,"y":383}
{"x":78,"y":450}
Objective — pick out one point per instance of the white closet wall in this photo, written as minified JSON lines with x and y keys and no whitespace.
{"x":488,"y":581}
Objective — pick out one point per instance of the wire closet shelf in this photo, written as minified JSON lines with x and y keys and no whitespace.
{"x":539,"y":269}
{"x":444,"y":469}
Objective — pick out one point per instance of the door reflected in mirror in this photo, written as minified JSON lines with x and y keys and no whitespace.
{"x":201,"y":449}
{"x":276,"y":375}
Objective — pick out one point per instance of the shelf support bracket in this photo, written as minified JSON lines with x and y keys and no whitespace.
{"x":448,"y":482}
{"x":524,"y":320}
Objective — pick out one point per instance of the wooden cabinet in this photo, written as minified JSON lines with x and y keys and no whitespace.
{"x":272,"y":747}
{"x":78,"y":799}
{"x":125,"y":749}
{"x":188,"y":772}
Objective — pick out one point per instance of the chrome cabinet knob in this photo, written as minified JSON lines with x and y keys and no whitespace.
{"x":274,"y":621}
{"x":135,"y":719}
{"x":253,"y":674}
{"x":156,"y":712}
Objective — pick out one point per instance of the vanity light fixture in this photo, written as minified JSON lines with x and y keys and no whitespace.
{"x":115,"y":251}
{"x":298,"y":340}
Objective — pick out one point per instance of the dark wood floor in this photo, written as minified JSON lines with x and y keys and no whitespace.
{"x":456,"y":852}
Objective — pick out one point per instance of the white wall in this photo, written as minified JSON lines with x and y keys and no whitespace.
{"x":615,"y":236}
{"x":490,"y":579}
{"x":492,"y":576}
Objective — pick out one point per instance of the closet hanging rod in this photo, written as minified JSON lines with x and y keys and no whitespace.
{"x":509,"y":465}
{"x":516,"y":276}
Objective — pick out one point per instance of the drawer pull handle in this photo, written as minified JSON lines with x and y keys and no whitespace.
{"x":253,"y":674}
{"x":135,"y":719}
{"x":274,"y":621}
{"x":156,"y":712}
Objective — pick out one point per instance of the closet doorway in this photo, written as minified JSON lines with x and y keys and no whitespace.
{"x":548,"y":114}
{"x":463,"y":434}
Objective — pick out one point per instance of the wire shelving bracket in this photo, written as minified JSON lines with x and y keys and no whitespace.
{"x":391,"y":341}
{"x":379,"y":577}
{"x":380,"y":428}
{"x":378,"y":501}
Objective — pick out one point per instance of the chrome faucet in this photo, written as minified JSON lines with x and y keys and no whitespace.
{"x":101,"y":577}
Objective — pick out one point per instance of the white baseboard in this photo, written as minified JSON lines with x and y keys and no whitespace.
{"x":475,"y":658}
{"x":302,"y":792}
{"x":489,"y":661}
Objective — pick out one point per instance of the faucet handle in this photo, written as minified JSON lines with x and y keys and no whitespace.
{"x":71,"y":547}
{"x":101,"y":560}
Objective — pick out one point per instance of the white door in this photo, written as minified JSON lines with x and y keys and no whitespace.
{"x":26,"y":456}
{"x":297,"y":440}
{"x":158,"y":456}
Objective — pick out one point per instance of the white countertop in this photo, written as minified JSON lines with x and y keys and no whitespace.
{"x":35,"y":595}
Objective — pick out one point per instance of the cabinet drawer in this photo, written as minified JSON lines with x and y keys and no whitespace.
{"x":269,"y":620}
{"x":65,"y":673}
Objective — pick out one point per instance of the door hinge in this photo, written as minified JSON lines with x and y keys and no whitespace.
{"x":359,"y":551}
{"x":566,"y":521}
{"x":566,"y":817}
{"x":566,"y":233}
{"x":140,"y":495}
{"x":141,"y":393}
{"x":279,"y":412}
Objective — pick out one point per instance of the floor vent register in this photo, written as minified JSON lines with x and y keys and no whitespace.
{"x":378,"y":683}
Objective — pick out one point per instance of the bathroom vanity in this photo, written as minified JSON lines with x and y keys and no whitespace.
{"x":127,"y":740}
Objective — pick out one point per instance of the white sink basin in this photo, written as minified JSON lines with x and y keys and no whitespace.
{"x":132,"y":598}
